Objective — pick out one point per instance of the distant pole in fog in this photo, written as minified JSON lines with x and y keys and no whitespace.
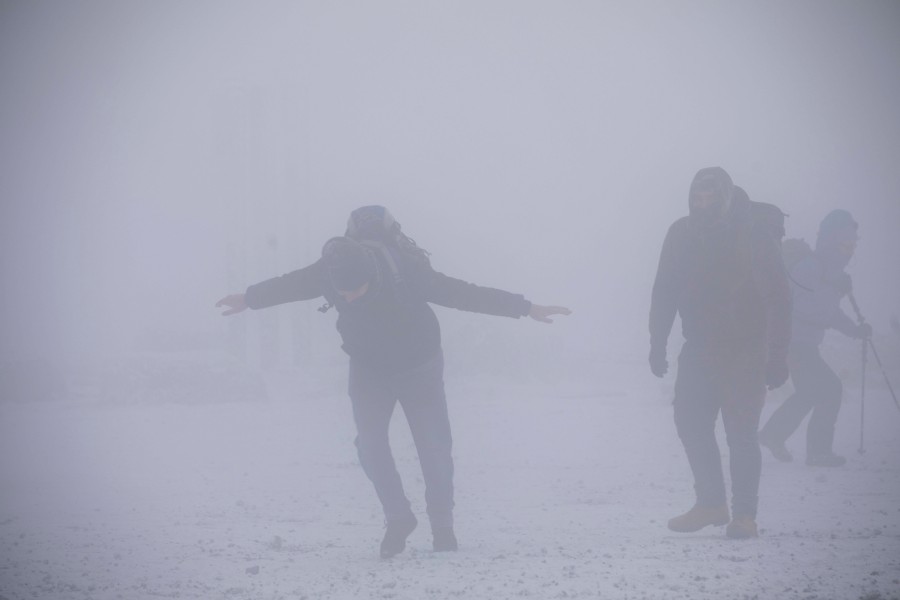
{"x":238,"y":148}
{"x":263,"y":179}
{"x":294,"y":215}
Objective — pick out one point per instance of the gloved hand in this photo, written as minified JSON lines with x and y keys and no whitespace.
{"x":863,"y":331}
{"x":776,"y":373}
{"x":843,"y":283}
{"x":659,"y":366}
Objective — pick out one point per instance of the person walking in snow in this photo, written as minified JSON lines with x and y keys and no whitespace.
{"x":381,"y":284}
{"x":720,"y":269}
{"x":818,"y":284}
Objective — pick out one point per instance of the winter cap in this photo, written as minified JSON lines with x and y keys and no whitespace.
{"x":835,"y":221}
{"x":832,"y":226}
{"x":349,"y":264}
{"x":369,"y":222}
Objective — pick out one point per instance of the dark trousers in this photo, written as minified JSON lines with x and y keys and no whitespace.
{"x":731,"y":381}
{"x":420,"y":391}
{"x":817,"y":389}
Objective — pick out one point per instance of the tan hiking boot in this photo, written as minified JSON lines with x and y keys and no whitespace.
{"x":699,"y":517}
{"x":741,"y":528}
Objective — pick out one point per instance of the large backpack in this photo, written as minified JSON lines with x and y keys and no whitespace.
{"x":793,"y":250}
{"x":376,"y":229}
{"x":770,"y":217}
{"x":375,"y":223}
{"x":755,"y":217}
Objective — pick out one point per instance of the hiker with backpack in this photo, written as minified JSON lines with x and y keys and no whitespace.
{"x":818,"y":284}
{"x":381,"y":284}
{"x":720,"y":269}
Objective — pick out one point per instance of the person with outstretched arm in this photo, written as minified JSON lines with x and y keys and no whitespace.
{"x":382,"y":291}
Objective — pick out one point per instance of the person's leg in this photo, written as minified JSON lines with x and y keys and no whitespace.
{"x":787,"y":418}
{"x":373,"y":399}
{"x":421,"y":394}
{"x":828,"y":390}
{"x":746,"y":392}
{"x":696,"y":408}
{"x":740,"y":414}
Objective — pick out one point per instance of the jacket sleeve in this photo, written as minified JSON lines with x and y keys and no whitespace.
{"x":774,"y":287}
{"x":843,"y":323}
{"x":456,"y":293}
{"x":303,"y":284}
{"x":664,"y":299}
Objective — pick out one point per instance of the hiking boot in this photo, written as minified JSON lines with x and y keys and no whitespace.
{"x":742,"y":528}
{"x":444,"y":540}
{"x":395,"y":536}
{"x":825,"y":459}
{"x":776,"y":448}
{"x":699,"y":517}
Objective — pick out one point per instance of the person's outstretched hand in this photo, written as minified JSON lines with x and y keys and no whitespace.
{"x":235,"y":303}
{"x":543,"y":313}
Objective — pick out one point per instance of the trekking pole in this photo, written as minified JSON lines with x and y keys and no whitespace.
{"x":862,"y":393}
{"x":868,"y":342}
{"x":884,"y":373}
{"x":862,"y":399}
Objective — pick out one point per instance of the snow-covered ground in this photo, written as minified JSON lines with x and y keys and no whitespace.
{"x":563,"y":491}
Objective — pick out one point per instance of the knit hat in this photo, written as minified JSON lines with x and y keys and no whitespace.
{"x":349,"y":264}
{"x":835,"y":222}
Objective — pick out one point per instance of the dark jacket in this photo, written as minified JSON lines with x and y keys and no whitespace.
{"x":391,"y":327}
{"x":727,"y":282}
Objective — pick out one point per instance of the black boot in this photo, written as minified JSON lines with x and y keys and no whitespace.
{"x":444,"y":539}
{"x":395,"y":536}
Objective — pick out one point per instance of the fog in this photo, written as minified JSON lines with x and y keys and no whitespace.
{"x":158,"y":155}
{"x":537,"y":148}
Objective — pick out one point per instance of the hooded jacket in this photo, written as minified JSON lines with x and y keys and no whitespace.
{"x":391,"y":327}
{"x":724,"y":277}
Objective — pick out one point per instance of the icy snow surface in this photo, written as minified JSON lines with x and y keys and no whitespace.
{"x":562,"y":492}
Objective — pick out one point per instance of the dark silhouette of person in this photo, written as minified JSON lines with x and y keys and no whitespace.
{"x":391,"y":334}
{"x":818,"y":284}
{"x":720,"y":269}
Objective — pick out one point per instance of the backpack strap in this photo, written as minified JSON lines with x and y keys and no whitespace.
{"x":389,"y":259}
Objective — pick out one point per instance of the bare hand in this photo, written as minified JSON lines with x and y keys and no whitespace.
{"x":235,"y":303}
{"x":542,"y":313}
{"x":659,"y":366}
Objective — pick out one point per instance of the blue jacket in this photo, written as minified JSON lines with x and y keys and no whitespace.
{"x":817,"y":290}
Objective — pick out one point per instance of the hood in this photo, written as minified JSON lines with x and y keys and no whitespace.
{"x":710,"y":195}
